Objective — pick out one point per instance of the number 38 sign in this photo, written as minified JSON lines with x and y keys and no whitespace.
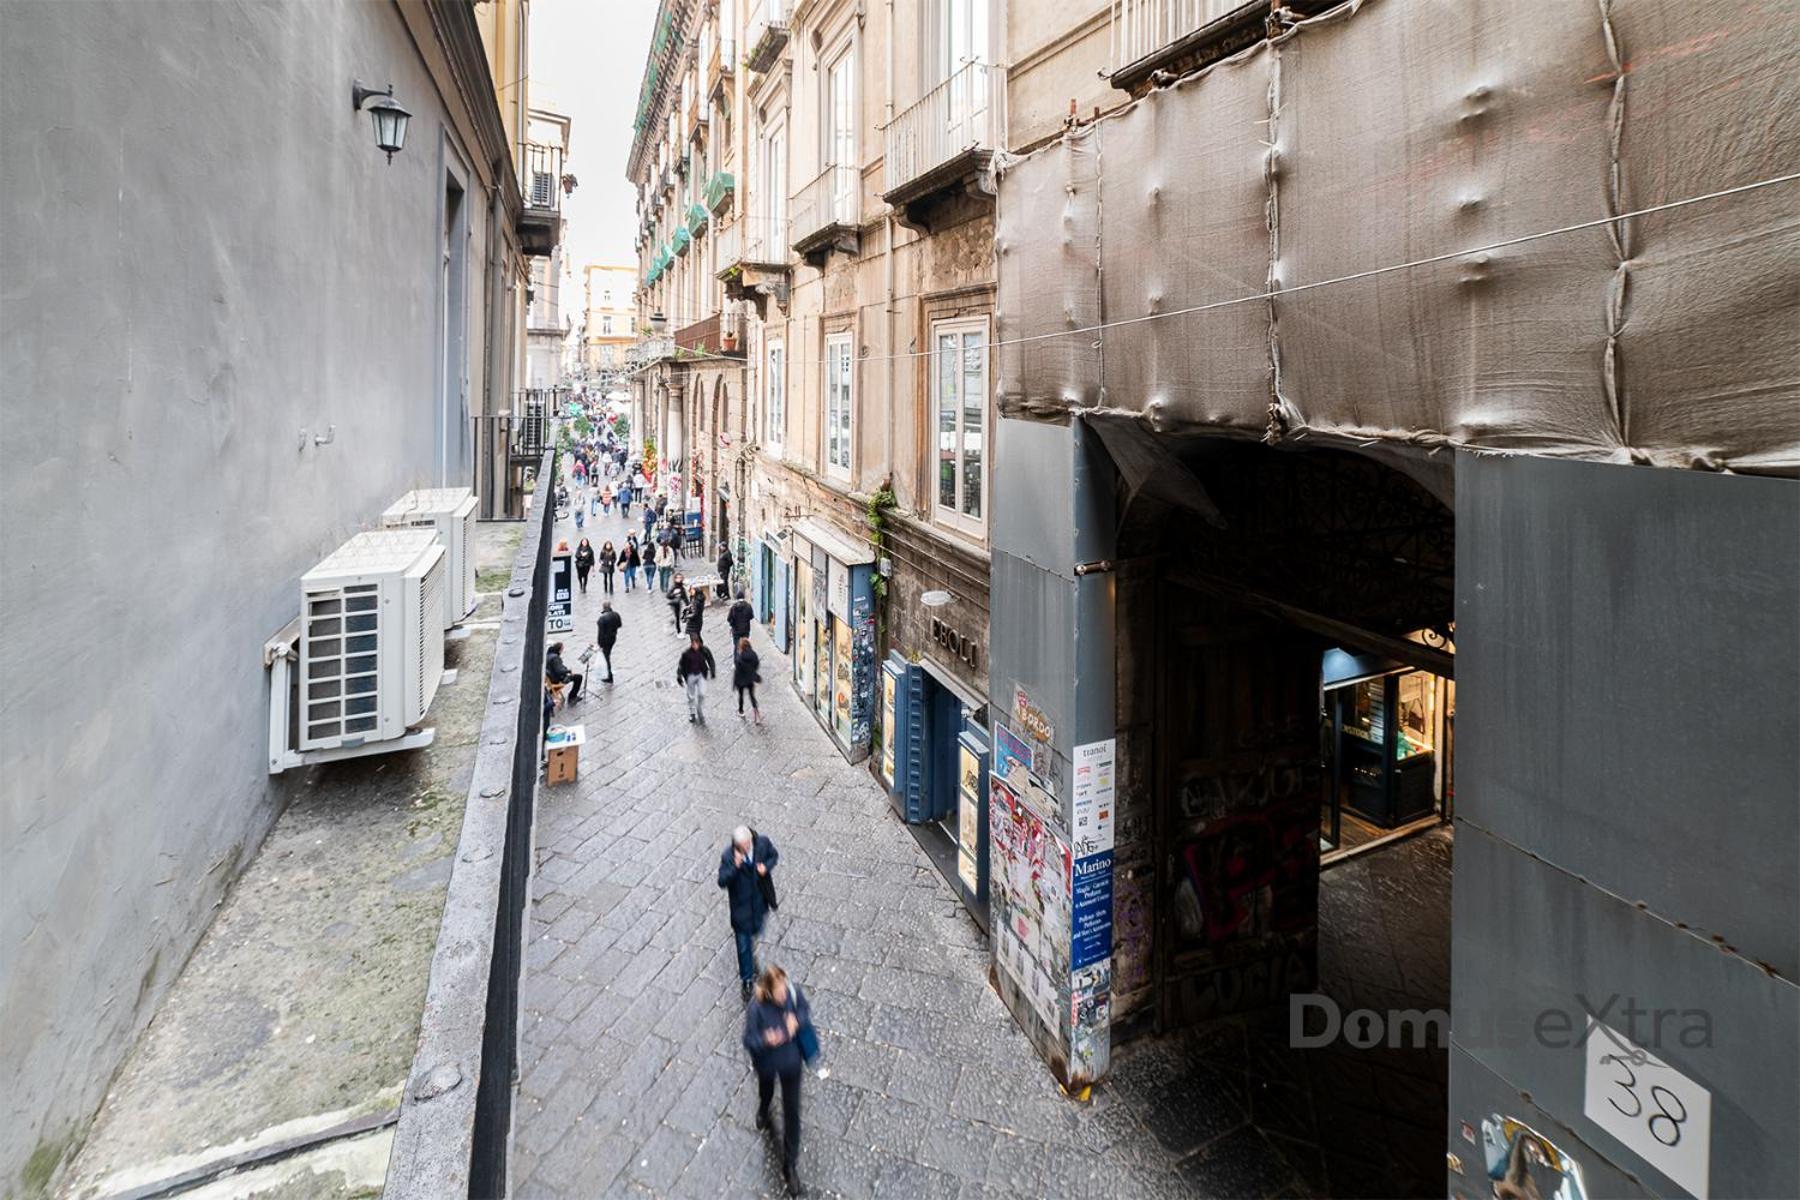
{"x":1659,"y":1113}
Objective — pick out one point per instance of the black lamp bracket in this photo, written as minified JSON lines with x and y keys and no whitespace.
{"x":360,"y":92}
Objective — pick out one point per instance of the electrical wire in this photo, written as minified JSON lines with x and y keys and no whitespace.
{"x":1295,"y":289}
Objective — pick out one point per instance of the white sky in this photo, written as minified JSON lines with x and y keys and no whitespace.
{"x":587,"y":59}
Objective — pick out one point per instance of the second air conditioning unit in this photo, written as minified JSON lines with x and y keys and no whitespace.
{"x":371,"y":638}
{"x":451,"y":512}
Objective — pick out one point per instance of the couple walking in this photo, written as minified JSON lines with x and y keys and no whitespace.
{"x":778,"y":1030}
{"x":696,"y":665}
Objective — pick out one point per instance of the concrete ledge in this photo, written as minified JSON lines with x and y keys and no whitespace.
{"x":439,"y":1144}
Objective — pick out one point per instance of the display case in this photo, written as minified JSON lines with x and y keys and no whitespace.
{"x":1385,"y":753}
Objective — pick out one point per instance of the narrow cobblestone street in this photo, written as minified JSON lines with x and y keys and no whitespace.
{"x":634,"y":1080}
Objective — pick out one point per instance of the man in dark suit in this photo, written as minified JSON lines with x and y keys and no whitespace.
{"x":745,"y":869}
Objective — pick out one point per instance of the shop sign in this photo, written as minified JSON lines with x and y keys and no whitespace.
{"x":1093,"y":795}
{"x":1091,"y":938}
{"x":960,"y":645}
{"x":888,"y":732}
{"x":562,"y":591}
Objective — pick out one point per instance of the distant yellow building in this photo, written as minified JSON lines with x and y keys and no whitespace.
{"x":608,"y":328}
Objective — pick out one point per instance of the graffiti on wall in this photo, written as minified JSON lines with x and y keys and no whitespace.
{"x":1243,"y":888}
{"x":1131,"y":929}
{"x":862,"y":666}
{"x":1247,"y":876}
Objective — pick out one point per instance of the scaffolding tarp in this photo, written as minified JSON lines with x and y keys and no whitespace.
{"x":1374,"y":136}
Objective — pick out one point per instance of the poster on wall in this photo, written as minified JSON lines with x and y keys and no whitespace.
{"x":1012,"y":759}
{"x":838,"y":589}
{"x":1093,"y":796}
{"x":1091,"y":910}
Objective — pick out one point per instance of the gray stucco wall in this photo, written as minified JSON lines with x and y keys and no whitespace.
{"x":203,"y":255}
{"x":1628,"y":757}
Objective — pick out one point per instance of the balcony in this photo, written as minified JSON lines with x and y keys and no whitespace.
{"x":938,"y":150}
{"x":768,"y":34}
{"x":682,"y":240}
{"x":753,"y":260}
{"x":719,"y":334}
{"x":540,"y":222}
{"x":1178,"y":36}
{"x":719,"y":69}
{"x":719,"y":189}
{"x":697,"y":217}
{"x":652,"y":347}
{"x":828,"y":214}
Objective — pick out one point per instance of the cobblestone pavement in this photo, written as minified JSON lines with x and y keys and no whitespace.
{"x":634,"y":1082}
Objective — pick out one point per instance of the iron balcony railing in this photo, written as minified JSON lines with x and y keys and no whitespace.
{"x":768,"y":33}
{"x":1142,"y":27}
{"x":652,"y":347}
{"x":830,"y":201}
{"x":961,"y":114}
{"x":752,"y":241}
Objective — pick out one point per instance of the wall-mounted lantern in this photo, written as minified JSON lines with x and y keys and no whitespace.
{"x":390,"y":119}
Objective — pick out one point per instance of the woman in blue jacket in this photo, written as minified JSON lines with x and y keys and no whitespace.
{"x":778,"y":1034}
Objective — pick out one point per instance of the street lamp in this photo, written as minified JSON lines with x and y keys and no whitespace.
{"x":390,"y":119}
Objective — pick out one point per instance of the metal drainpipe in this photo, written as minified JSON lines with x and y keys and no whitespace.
{"x":887,"y":111}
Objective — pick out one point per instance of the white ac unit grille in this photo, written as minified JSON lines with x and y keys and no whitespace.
{"x":467,"y":559}
{"x":341,"y":651}
{"x":431,"y":636}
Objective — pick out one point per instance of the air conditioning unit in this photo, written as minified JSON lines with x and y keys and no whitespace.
{"x":450,"y":511}
{"x":371,"y":638}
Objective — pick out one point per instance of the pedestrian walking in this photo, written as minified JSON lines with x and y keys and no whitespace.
{"x":744,"y":866}
{"x":580,"y":508}
{"x":740,"y":616}
{"x":624,"y":495}
{"x":649,"y":556}
{"x":584,"y":562}
{"x":780,"y":1038}
{"x":606,"y":499}
{"x":628,"y":559}
{"x":692,"y":670}
{"x":649,"y":519}
{"x":746,"y":673}
{"x":693,"y":617}
{"x":609,"y":561}
{"x":558,"y":672}
{"x":677,"y":536}
{"x":677,"y":597}
{"x":725,"y":563}
{"x":606,"y":634}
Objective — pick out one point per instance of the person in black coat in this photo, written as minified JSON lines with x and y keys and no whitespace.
{"x":584,"y":562}
{"x":691,"y":671}
{"x":745,"y":675}
{"x":558,"y":671}
{"x":677,"y":597}
{"x":606,"y":634}
{"x":693,"y":617}
{"x":725,"y":563}
{"x":740,"y":616}
{"x":609,"y":561}
{"x":776,"y":1023}
{"x":743,"y":865}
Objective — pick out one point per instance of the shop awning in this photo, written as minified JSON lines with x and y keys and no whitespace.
{"x":848,"y":550}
